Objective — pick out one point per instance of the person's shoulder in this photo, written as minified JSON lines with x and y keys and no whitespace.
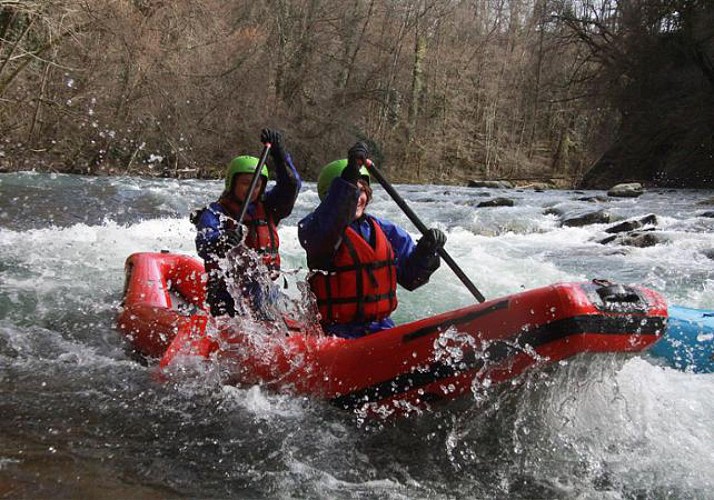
{"x":391,"y":229}
{"x":216,"y":207}
{"x":384,"y":223}
{"x":307,"y":218}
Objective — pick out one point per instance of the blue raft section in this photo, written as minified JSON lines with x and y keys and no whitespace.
{"x":688,"y":343}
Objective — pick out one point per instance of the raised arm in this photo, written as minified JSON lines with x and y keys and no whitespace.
{"x":281,"y":198}
{"x":321,"y":231}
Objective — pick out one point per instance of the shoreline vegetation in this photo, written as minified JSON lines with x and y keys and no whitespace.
{"x":576,"y":94}
{"x":145,"y":171}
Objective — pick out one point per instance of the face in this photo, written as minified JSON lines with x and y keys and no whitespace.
{"x":241,"y":183}
{"x":362,"y":200}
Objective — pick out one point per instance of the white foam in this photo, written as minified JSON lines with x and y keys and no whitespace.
{"x":649,"y":426}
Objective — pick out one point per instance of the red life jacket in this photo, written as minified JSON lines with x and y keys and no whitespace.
{"x":262,"y":232}
{"x":362,"y":282}
{"x":263,"y":236}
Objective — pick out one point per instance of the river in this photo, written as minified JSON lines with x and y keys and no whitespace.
{"x":81,"y":419}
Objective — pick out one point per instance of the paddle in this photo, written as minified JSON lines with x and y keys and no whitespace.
{"x":422,"y":229}
{"x":254,"y":181}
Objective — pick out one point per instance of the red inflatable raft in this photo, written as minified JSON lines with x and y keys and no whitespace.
{"x":442,"y":357}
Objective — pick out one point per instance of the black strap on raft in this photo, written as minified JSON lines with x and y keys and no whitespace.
{"x":617,"y":293}
{"x":609,"y":296}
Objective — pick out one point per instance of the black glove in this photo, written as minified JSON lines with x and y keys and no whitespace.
{"x":233,"y":237}
{"x":356,"y":157}
{"x":425,"y":254}
{"x":276,"y":142}
{"x":431,"y":242}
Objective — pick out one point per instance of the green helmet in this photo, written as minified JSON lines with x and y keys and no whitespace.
{"x":332,"y":170}
{"x":243,"y":165}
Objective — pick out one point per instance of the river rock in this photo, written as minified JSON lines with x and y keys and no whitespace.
{"x":607,"y":240}
{"x":709,"y":214}
{"x":710,"y":201}
{"x":558,"y":212}
{"x":632,"y":224}
{"x":7,"y":349}
{"x":496,"y":202}
{"x":627,"y":190}
{"x":709,"y":253}
{"x":643,"y":239}
{"x":639,"y":239}
{"x":471,"y":202}
{"x":598,"y":217}
{"x":593,"y":199}
{"x":491,"y":184}
{"x":618,"y":251}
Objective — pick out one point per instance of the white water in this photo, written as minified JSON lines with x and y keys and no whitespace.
{"x":593,"y":427}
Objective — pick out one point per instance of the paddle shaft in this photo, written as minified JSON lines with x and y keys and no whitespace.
{"x":423,"y":229}
{"x":254,"y":181}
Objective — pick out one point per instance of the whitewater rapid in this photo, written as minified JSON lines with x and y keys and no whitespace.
{"x":76,"y":408}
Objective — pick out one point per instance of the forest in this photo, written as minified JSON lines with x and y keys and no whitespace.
{"x":577,"y":92}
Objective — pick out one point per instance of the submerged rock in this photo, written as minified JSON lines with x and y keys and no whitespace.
{"x":618,"y":251}
{"x":496,"y":202}
{"x":709,"y":214}
{"x":558,"y":212}
{"x":593,"y":199}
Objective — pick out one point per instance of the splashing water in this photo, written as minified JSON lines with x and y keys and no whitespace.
{"x":82,"y":419}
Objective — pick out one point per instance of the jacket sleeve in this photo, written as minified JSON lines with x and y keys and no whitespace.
{"x":320,"y":232}
{"x":280,"y":200}
{"x":209,"y":230}
{"x":413,"y":268}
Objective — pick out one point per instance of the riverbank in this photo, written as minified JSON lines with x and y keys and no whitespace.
{"x":159,"y":170}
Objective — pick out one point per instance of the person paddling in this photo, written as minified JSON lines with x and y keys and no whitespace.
{"x":357,"y":259}
{"x":217,"y":224}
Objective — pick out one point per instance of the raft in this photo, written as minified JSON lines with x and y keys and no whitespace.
{"x":403,"y":369}
{"x":688,"y":343}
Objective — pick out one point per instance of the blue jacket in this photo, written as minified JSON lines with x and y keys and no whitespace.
{"x":320,"y":234}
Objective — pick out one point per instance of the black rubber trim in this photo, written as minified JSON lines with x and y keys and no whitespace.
{"x":428,"y":330}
